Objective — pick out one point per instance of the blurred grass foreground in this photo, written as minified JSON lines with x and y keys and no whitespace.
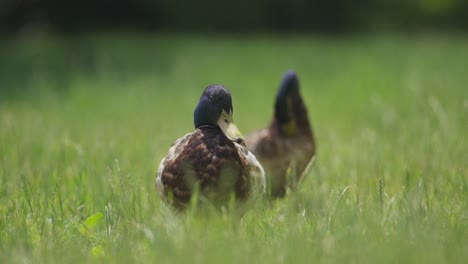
{"x":85,"y":120}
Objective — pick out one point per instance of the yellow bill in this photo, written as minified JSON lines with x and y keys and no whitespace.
{"x":226,"y":123}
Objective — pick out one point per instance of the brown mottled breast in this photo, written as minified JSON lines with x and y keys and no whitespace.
{"x":205,"y":158}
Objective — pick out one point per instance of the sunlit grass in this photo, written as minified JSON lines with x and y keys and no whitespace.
{"x":85,"y":121}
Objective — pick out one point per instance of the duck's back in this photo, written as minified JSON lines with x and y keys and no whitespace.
{"x":278,"y":154}
{"x":207,"y":160}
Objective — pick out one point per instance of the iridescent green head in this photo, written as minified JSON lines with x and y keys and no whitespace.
{"x":215,"y":109}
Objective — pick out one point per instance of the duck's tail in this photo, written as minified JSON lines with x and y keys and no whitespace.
{"x":291,"y":117}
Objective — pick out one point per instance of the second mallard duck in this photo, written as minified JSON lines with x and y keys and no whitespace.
{"x":287,"y":148}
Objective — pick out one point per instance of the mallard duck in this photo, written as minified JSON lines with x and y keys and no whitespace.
{"x":286,"y":149}
{"x":213,"y":160}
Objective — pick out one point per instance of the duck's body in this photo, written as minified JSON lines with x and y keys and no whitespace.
{"x":209,"y":162}
{"x":287,"y":148}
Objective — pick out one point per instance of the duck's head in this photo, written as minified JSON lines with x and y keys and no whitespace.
{"x":215,"y":109}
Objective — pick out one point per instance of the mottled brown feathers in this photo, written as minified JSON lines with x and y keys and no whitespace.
{"x":208,"y":159}
{"x":286,"y":143}
{"x":277,"y":153}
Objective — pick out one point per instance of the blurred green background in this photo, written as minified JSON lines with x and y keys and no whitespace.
{"x":235,"y":16}
{"x":93,"y":94}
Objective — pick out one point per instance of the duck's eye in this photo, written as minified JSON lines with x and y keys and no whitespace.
{"x":225,"y":120}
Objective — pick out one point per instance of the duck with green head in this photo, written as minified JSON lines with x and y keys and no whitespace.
{"x":287,"y":147}
{"x":212,"y":160}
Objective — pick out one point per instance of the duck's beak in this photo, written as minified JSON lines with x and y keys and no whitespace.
{"x":226,"y":123}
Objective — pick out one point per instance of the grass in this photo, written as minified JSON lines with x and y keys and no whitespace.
{"x":84,"y":122}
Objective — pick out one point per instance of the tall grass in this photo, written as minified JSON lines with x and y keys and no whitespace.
{"x":84,"y":122}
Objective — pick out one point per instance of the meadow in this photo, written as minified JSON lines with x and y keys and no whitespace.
{"x":85,"y":120}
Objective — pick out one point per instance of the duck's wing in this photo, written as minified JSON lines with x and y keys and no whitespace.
{"x":254,"y":168}
{"x":176,"y":149}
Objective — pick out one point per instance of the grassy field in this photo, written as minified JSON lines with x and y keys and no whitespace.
{"x":85,"y":121}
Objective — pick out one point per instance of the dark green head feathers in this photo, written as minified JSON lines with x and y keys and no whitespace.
{"x":215,"y":109}
{"x":213,"y":101}
{"x":288,"y":89}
